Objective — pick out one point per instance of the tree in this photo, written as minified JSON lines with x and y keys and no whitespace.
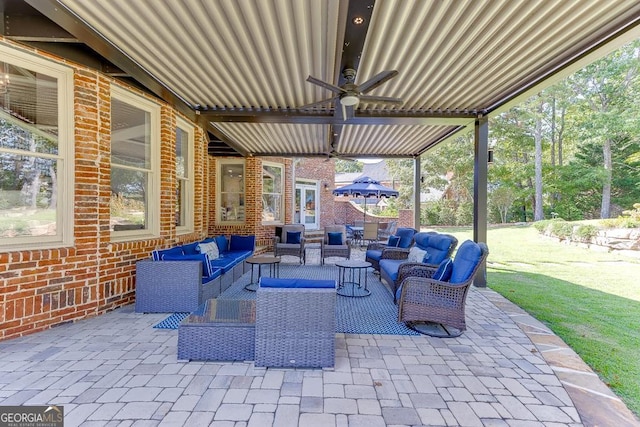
{"x":343,"y":166}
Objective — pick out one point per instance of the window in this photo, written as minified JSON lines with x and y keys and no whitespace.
{"x":184,"y":176}
{"x":231,"y":185}
{"x":135,"y":124}
{"x":272,"y":189}
{"x":36,"y":152}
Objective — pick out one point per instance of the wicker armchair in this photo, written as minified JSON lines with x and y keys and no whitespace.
{"x":332,"y":250}
{"x":426,"y":302}
{"x":295,"y":323}
{"x":282,"y":247}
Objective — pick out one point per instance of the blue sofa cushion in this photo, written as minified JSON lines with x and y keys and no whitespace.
{"x":215,"y":273}
{"x":391,"y":266}
{"x":394,"y":241}
{"x":293,"y":237}
{"x":206,"y":268}
{"x":374,"y":254}
{"x":223,"y":243}
{"x":270,"y":282}
{"x":465,"y":262}
{"x":242,"y":243}
{"x":224,"y":262}
{"x":406,"y":236}
{"x":443,"y":273}
{"x":160,"y":254}
{"x":191,"y":248}
{"x":335,"y":238}
{"x":438,"y":249}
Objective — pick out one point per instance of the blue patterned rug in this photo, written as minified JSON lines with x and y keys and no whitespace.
{"x":374,"y":314}
{"x":171,"y":322}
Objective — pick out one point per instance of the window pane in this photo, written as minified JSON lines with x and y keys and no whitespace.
{"x":130,"y":135}
{"x":28,"y":196}
{"x":182,"y":153}
{"x":128,"y":199}
{"x":180,"y":203}
{"x":232,"y":192}
{"x":29,"y":110}
{"x":271,"y":204}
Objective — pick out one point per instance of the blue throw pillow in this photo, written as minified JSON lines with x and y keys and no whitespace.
{"x":242,"y":243}
{"x":293,"y":237}
{"x":443,"y":273}
{"x":394,"y":241}
{"x":335,"y":238}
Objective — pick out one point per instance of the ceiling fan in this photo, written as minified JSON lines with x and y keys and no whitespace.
{"x":351,"y":94}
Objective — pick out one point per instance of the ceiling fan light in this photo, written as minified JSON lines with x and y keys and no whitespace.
{"x":349,"y":100}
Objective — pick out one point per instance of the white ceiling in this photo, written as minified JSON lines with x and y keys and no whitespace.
{"x":243,"y":64}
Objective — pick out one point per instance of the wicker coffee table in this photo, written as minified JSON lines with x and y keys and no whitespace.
{"x":219,"y":330}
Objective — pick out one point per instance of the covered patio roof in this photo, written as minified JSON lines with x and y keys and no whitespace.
{"x":240,"y":67}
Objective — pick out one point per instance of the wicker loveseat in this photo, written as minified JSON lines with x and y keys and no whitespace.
{"x":394,"y":264}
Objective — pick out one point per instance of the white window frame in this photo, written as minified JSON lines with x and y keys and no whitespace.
{"x":66,"y":151}
{"x":222,"y":163}
{"x":153,"y":201}
{"x":282,"y":213}
{"x":187,"y":180}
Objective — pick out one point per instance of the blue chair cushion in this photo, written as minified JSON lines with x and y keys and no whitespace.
{"x":394,"y":241}
{"x":206,"y":268}
{"x":443,"y":273}
{"x":406,"y":236}
{"x":374,"y":254}
{"x":293,"y":237}
{"x":270,"y":282}
{"x":222,"y":242}
{"x":242,"y":243}
{"x":335,"y":238}
{"x":465,"y":262}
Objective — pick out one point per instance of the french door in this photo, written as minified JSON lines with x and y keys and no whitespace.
{"x":306,"y":205}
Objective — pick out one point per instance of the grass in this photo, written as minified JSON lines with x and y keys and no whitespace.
{"x":590,"y":299}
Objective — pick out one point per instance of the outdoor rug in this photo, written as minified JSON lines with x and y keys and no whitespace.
{"x":171,"y":322}
{"x":374,"y":314}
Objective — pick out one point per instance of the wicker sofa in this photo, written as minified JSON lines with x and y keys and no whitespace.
{"x":180,"y":278}
{"x":394,"y":264}
{"x":295,"y":323}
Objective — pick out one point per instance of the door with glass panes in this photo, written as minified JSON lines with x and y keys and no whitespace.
{"x":306,"y":205}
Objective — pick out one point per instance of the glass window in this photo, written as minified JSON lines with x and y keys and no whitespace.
{"x":272,"y":192}
{"x":231,"y":184}
{"x":134,"y":125}
{"x":35,"y":140}
{"x":184,"y":174}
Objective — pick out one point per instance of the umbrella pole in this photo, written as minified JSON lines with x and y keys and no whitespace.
{"x":365,"y":211}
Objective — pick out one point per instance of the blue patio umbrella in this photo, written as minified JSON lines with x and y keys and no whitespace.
{"x":365,"y":187}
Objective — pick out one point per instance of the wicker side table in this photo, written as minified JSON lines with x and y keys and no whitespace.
{"x":219,"y":330}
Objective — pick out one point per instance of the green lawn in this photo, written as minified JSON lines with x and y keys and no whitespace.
{"x":591,"y":299}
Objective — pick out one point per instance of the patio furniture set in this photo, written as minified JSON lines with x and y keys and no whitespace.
{"x":292,"y":321}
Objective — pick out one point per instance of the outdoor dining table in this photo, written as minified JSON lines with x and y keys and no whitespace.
{"x":357,"y":234}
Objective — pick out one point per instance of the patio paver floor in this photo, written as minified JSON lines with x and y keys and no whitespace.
{"x":506,"y":369}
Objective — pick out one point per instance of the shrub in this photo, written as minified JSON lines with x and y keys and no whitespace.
{"x":585,"y":232}
{"x":544,"y":226}
{"x":561,"y":229}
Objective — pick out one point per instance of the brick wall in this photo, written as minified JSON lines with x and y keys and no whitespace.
{"x":42,"y":288}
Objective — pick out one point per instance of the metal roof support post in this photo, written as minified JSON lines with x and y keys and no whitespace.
{"x":416,"y":193}
{"x":480,"y":171}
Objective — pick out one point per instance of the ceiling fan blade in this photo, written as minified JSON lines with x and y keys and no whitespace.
{"x":325,"y":85}
{"x":377,"y":80}
{"x":380,"y":99}
{"x":317,"y":103}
